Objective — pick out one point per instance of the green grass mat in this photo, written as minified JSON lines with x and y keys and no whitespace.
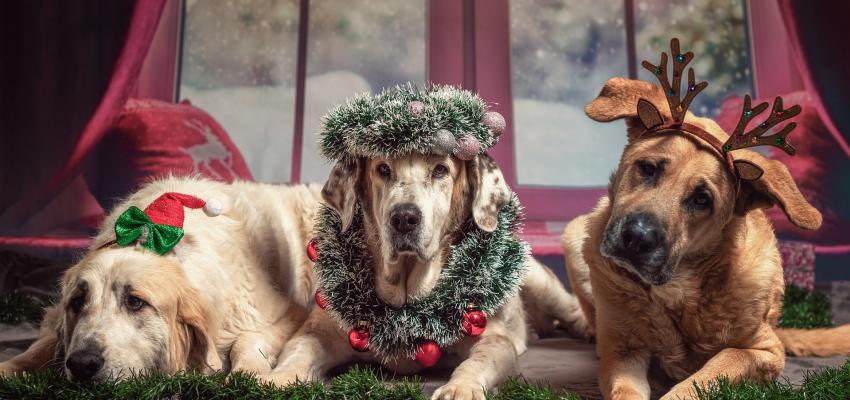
{"x":360,"y":382}
{"x":805,"y":309}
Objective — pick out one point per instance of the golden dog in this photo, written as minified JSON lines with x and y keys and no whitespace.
{"x":413,"y":210}
{"x":228,"y":296}
{"x":678,"y":275}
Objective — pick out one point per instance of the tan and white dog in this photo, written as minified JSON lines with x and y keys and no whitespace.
{"x":228,"y":296}
{"x":414,"y":207}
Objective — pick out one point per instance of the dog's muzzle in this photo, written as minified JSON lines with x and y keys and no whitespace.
{"x":638,"y":243}
{"x":84,"y":364}
{"x":405,"y":224}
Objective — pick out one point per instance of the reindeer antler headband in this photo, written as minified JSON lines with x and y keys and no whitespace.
{"x":654,"y":122}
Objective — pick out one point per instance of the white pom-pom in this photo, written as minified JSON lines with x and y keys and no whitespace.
{"x":213,"y":207}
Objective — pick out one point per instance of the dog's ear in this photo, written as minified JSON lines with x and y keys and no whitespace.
{"x":490,"y":191}
{"x":636,"y":101}
{"x":765,"y":183}
{"x":193,"y":341}
{"x":340,"y":190}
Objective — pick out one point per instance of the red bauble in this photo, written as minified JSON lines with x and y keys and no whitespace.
{"x":474,"y":322}
{"x":428,"y":353}
{"x":358,"y":337}
{"x":312,"y":251}
{"x":320,"y":300}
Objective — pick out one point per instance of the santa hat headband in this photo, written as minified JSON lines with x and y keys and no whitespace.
{"x":408,"y":119}
{"x":160,"y":226}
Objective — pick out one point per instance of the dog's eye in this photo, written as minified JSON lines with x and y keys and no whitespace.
{"x":134,"y":303}
{"x":647,"y":169}
{"x":384,"y":170}
{"x":76,"y":304}
{"x":701,"y":200}
{"x":440,"y":171}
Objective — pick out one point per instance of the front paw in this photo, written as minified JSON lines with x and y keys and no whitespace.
{"x":680,"y":392}
{"x":459,"y":390}
{"x":282,"y":379}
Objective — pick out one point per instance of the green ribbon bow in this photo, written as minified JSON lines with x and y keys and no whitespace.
{"x":133,"y":223}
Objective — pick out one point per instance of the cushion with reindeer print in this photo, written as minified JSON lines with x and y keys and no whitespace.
{"x":153,"y":138}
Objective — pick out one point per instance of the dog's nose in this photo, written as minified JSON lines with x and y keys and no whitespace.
{"x":404,"y":218}
{"x":84,"y":364}
{"x":640,"y":236}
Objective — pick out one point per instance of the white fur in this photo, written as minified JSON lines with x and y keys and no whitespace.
{"x":246,"y":270}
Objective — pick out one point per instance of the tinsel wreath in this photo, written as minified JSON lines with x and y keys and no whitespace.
{"x":484,"y":269}
{"x":409,"y":119}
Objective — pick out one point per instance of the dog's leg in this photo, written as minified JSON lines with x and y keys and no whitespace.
{"x":42,"y":352}
{"x":578,"y":272}
{"x":763,"y":361}
{"x":623,"y":367}
{"x":490,"y":360}
{"x":545,"y":298}
{"x":316,"y":347}
{"x":256,"y":352}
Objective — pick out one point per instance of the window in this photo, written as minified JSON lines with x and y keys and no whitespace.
{"x":269,"y":69}
{"x":563,"y":51}
{"x":240,"y":63}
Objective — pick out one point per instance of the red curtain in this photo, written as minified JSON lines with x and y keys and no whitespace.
{"x":818,"y":33}
{"x":67,"y":71}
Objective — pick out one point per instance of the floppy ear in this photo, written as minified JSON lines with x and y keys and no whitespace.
{"x":635,"y":100}
{"x":340,"y":190}
{"x":490,"y":191}
{"x":765,"y":183}
{"x":194,"y":342}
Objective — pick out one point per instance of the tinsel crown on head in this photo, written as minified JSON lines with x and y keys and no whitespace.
{"x":407,"y":119}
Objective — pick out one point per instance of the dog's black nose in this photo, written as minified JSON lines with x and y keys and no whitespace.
{"x":84,"y":364}
{"x":404,"y":218}
{"x":640,"y":235}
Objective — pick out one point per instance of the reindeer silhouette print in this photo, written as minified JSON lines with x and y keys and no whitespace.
{"x":203,"y":154}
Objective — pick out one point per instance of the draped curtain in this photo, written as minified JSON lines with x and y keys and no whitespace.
{"x":66,"y":70}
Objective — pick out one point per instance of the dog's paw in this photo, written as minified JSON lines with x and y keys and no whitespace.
{"x":281,"y":379}
{"x":459,"y":390}
{"x":680,"y":392}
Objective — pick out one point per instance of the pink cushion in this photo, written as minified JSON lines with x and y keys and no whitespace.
{"x":819,"y":168}
{"x":152,"y":139}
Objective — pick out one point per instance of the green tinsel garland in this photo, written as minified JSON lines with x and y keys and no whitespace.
{"x":484,"y":269}
{"x":386,"y":125}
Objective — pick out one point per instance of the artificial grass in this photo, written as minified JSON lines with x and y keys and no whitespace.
{"x":360,"y":382}
{"x":805,"y":309}
{"x":825,"y":384}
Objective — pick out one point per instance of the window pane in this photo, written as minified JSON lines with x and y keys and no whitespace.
{"x":354,"y":47}
{"x":563,"y":51}
{"x":714,"y":30}
{"x":238,"y":64}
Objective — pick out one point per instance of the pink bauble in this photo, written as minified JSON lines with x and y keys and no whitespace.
{"x":428,"y":354}
{"x":444,"y":142}
{"x":416,"y":107}
{"x":467,"y":147}
{"x":494,"y":121}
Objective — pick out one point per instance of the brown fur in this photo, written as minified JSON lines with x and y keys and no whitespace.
{"x":716,"y":315}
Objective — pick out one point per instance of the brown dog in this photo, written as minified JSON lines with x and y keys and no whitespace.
{"x":679,"y":271}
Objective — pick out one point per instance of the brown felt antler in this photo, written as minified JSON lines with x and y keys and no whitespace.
{"x":678,"y":106}
{"x":755,"y":137}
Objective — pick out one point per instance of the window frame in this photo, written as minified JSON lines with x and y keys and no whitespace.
{"x":472,"y":38}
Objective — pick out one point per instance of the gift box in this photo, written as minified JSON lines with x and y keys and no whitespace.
{"x":798,"y":263}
